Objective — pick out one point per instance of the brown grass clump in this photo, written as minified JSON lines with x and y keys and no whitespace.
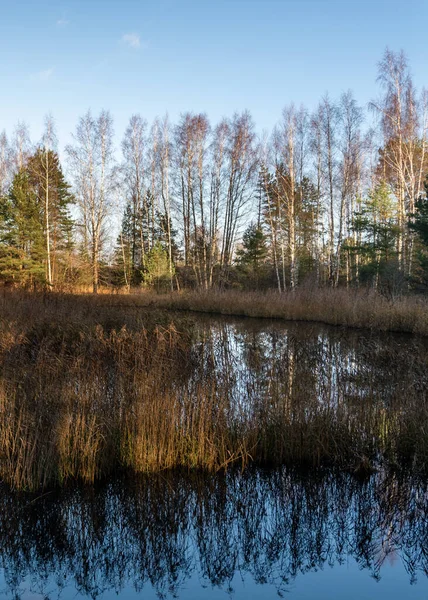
{"x":356,"y":308}
{"x":91,"y":385}
{"x":350,"y":308}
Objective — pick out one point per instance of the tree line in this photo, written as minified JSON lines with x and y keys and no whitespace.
{"x":334,"y":196}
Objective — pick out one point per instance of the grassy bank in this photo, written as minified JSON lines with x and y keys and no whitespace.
{"x":350,"y":308}
{"x":90,"y":385}
{"x":343,"y":307}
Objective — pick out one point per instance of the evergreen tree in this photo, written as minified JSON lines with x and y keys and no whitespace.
{"x":45,"y":174}
{"x":420,"y":218}
{"x":308,"y":225}
{"x":157,"y":273}
{"x":419,"y":225}
{"x":23,"y":224}
{"x":252,"y":255}
{"x":22,"y":243}
{"x":135,"y":242}
{"x":165,"y":233}
{"x":377,"y":227}
{"x":127,"y":258}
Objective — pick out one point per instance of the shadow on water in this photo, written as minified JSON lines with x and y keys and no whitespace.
{"x":162,"y":531}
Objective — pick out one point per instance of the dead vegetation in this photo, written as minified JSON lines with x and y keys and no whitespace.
{"x":357,"y":308}
{"x":89,"y":386}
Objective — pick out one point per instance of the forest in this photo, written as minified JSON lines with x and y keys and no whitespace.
{"x":334,"y":197}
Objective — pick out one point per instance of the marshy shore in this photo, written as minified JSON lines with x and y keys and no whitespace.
{"x":95,"y":385}
{"x":356,"y":308}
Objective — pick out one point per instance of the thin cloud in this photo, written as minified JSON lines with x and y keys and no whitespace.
{"x":42,"y":75}
{"x":62,"y":23}
{"x":132,"y":40}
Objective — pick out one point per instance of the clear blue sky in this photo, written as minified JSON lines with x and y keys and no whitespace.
{"x":211,"y":56}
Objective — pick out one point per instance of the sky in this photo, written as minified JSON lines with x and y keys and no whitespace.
{"x":212,"y":56}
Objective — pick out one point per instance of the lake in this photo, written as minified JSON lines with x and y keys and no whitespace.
{"x":298,"y":522}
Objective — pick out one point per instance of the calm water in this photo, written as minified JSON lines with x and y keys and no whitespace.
{"x":258,"y":534}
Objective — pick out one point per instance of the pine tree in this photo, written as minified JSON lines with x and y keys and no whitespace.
{"x":252,"y":255}
{"x":378,"y":228}
{"x":46,"y":178}
{"x":127,"y":259}
{"x":157,"y":272}
{"x":419,"y":225}
{"x":24,"y":252}
{"x":22,"y":241}
{"x":420,"y":218}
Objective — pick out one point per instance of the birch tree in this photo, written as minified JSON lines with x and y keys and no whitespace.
{"x":217,"y":184}
{"x":350,"y":153}
{"x":5,"y":164}
{"x":242,"y":165}
{"x":185,"y":155}
{"x":136,"y":172}
{"x":165,"y":176}
{"x":290,"y":157}
{"x":192,"y":152}
{"x":21,"y":146}
{"x":403,"y":155}
{"x":325,"y":125}
{"x":43,"y":170}
{"x":93,"y":170}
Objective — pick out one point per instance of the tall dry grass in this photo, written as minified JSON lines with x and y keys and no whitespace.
{"x":350,"y":308}
{"x":89,"y":386}
{"x":357,"y":308}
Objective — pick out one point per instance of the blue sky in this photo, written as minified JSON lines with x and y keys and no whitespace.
{"x":149,"y":57}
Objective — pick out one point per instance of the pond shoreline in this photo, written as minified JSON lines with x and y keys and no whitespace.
{"x":353,"y":308}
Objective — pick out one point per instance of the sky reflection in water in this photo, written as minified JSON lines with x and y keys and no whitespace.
{"x":256,"y":534}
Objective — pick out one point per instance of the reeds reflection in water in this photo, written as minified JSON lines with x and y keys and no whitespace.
{"x":165,"y":531}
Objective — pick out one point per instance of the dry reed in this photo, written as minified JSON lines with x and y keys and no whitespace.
{"x":86,"y":390}
{"x":356,"y":308}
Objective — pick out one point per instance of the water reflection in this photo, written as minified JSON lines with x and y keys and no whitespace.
{"x":318,"y":393}
{"x":327,"y":364}
{"x":283,"y":394}
{"x":163,"y":531}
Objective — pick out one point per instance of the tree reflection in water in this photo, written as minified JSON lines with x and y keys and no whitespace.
{"x":266,"y":525}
